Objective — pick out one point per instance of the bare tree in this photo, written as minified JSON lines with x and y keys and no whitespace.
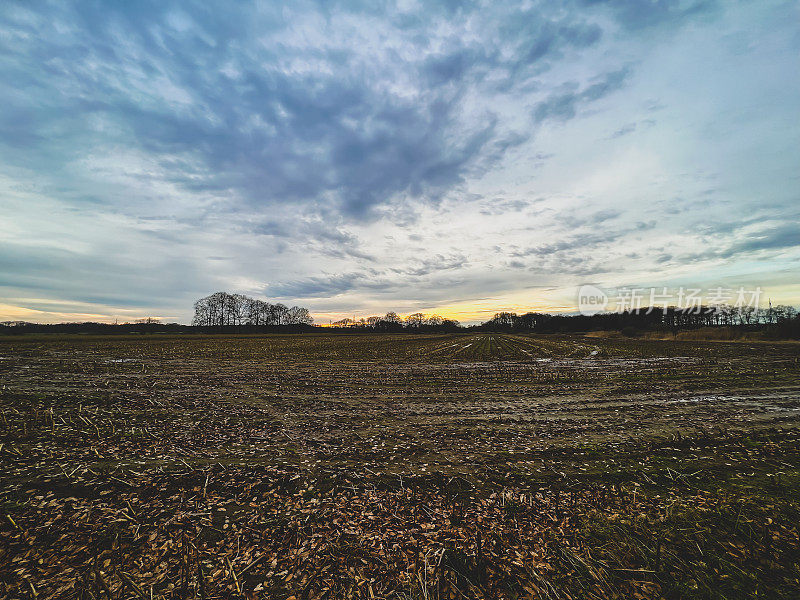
{"x":346,"y":322}
{"x":202,"y":313}
{"x":415,"y":320}
{"x":236,"y":309}
{"x":218,"y":303}
{"x":277,"y":314}
{"x":253,"y":311}
{"x":298,"y":316}
{"x":222,"y":308}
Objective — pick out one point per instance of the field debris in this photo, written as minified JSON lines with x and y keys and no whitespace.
{"x":300,"y":467}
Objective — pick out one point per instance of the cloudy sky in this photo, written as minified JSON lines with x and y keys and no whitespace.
{"x":359,"y":157}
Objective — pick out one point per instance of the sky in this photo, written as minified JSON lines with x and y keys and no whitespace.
{"x":361,"y":157}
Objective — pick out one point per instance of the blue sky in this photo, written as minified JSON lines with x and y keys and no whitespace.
{"x":355,"y":158}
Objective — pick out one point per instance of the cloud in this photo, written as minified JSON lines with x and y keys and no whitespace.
{"x":317,"y":236}
{"x":565,"y":106}
{"x":325,"y":286}
{"x":775,"y":238}
{"x":437,"y":263}
{"x":641,"y":14}
{"x":575,"y":243}
{"x":500,"y":206}
{"x":585,"y":218}
{"x":273,"y":107}
{"x":624,"y":130}
{"x":731,"y":240}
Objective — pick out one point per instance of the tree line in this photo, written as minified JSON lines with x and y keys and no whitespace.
{"x":223,"y":309}
{"x":220,"y":311}
{"x":391,"y":321}
{"x":782,"y":320}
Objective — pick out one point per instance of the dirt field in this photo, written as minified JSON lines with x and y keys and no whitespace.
{"x":398,"y":466}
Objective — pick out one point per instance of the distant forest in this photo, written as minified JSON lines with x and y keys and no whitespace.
{"x":779,"y":321}
{"x":222,"y":312}
{"x":391,"y":321}
{"x":669,"y":318}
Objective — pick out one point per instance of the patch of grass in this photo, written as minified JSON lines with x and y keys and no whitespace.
{"x":708,"y":546}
